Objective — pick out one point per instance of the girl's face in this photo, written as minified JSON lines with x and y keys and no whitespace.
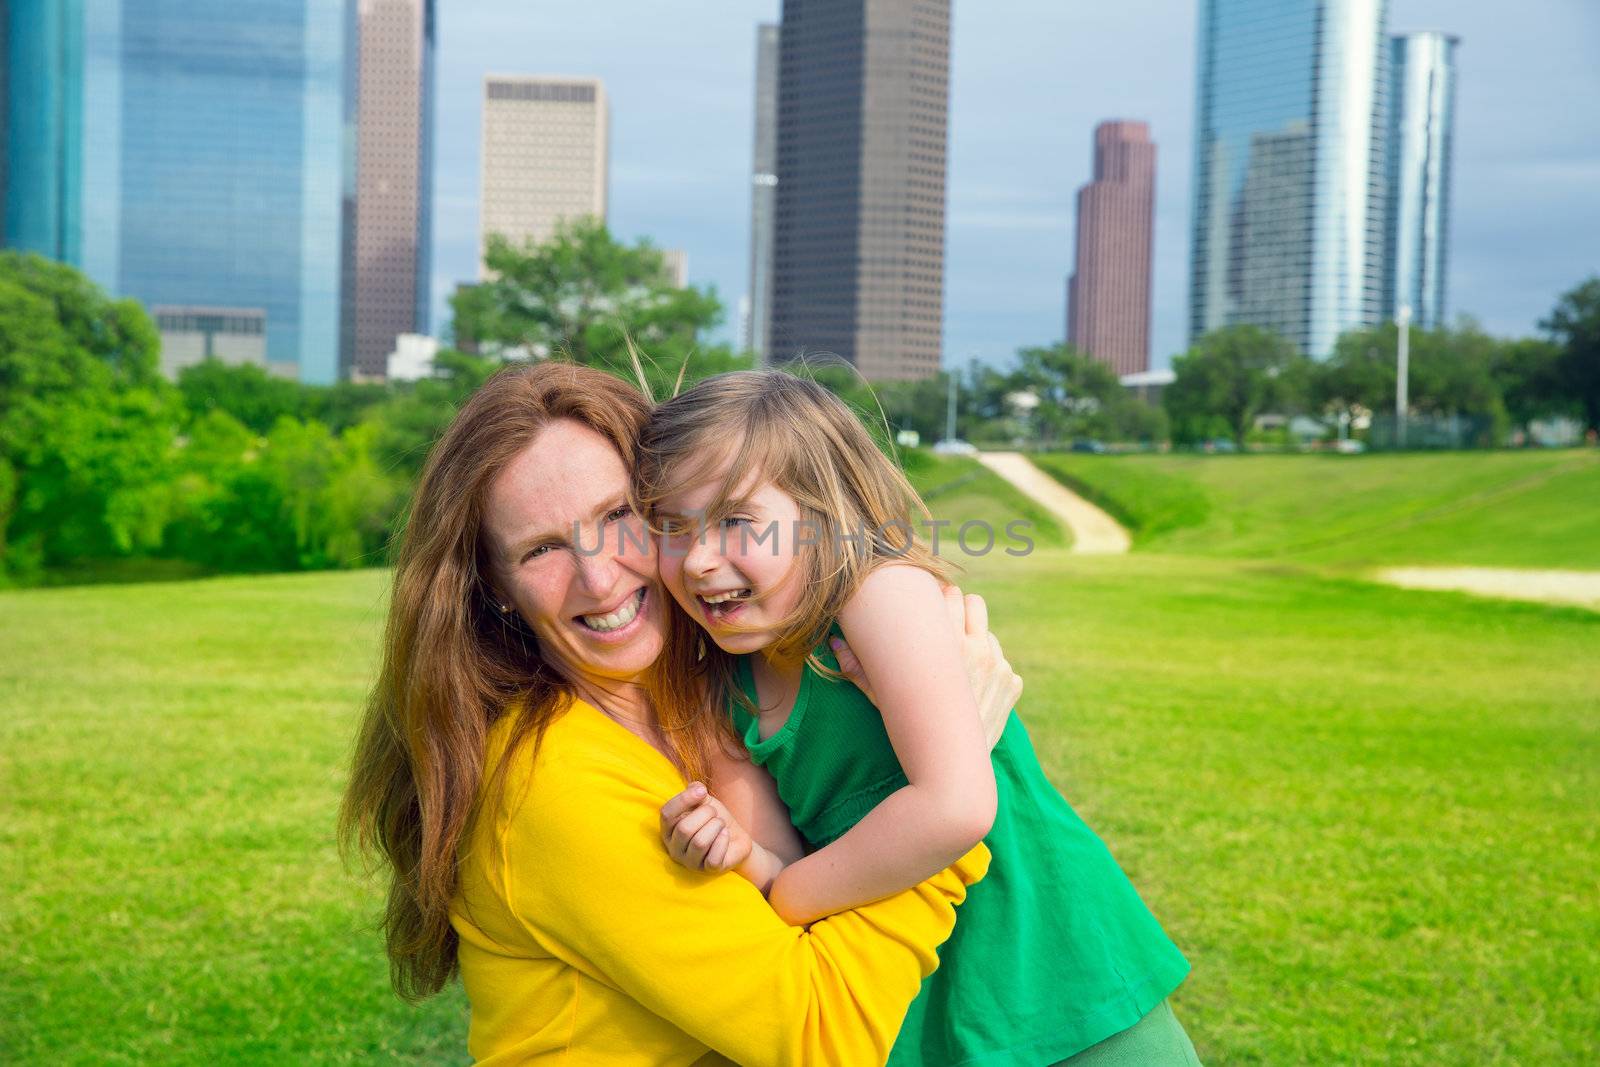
{"x":713,"y":564}
{"x":572,"y":559}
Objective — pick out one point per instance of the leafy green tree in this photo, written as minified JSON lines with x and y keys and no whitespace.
{"x":87,"y":424}
{"x":1230,"y":376}
{"x":1526,"y":371}
{"x":1575,"y":325}
{"x":584,"y":295}
{"x":1451,"y":371}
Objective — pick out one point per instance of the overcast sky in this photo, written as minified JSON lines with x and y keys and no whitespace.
{"x":1029,"y":81}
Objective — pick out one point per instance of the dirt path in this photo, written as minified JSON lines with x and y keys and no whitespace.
{"x":1093,"y":531}
{"x":1552,"y":587}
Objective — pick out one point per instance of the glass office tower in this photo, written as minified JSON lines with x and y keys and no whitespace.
{"x":1290,"y":197}
{"x":41,"y":95}
{"x":188,"y":153}
{"x":1421,"y":134}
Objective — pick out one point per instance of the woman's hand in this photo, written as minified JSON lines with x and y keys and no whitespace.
{"x":995,"y":686}
{"x":701,"y":834}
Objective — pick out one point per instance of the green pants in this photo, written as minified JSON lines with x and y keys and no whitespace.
{"x":1157,"y":1040}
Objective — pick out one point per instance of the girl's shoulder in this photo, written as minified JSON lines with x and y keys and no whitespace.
{"x":889,"y":588}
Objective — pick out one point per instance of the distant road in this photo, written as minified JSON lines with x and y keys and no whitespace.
{"x":1093,"y":531}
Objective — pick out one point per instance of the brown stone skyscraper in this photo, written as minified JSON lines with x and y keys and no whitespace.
{"x":394,"y":94}
{"x":1108,"y":296}
{"x":858,"y":239}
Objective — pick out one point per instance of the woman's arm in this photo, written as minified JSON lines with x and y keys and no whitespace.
{"x":897,"y":627}
{"x":584,"y":873}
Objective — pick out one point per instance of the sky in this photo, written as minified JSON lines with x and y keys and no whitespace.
{"x":1029,"y":80}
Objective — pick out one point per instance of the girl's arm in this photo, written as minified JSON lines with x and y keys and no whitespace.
{"x":898,"y":628}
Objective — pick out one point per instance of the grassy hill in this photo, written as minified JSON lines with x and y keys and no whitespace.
{"x":959,"y":489}
{"x":1508,"y":509}
{"x":1368,"y":815}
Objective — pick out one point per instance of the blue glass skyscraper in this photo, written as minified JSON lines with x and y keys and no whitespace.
{"x":41,"y":94}
{"x":1290,"y":185}
{"x":189,"y":153}
{"x":1421,"y":135}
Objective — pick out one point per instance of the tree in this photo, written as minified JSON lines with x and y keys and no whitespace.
{"x":1451,"y":371}
{"x":1575,"y":325}
{"x":1526,"y":370}
{"x":584,"y":295}
{"x":1230,"y":376}
{"x":87,"y":424}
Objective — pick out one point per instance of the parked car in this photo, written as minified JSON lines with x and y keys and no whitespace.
{"x":1088,"y":446}
{"x":955,"y":447}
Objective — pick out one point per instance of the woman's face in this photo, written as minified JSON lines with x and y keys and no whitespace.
{"x":571,"y":557}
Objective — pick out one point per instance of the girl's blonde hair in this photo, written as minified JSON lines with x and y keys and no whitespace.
{"x":771,"y":426}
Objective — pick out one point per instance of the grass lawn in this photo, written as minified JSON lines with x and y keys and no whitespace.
{"x":1368,"y":815}
{"x":1491,"y":509}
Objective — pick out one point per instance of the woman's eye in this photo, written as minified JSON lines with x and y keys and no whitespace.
{"x":734,"y":520}
{"x":617,"y":513}
{"x":536,"y":551}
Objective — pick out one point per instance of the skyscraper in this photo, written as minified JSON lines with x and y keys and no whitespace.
{"x":389,"y":277}
{"x":1290,"y":190}
{"x":189,"y":155}
{"x":546,"y":148}
{"x":858,"y":239}
{"x":41,"y":126}
{"x":763,"y":191}
{"x":1421,"y":136}
{"x":1108,"y":296}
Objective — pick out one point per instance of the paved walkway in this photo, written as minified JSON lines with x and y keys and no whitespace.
{"x":1093,"y":531}
{"x":1552,"y":587}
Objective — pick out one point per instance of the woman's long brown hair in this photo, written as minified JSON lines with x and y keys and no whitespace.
{"x":453,"y":664}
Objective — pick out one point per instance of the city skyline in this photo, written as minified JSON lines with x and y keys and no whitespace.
{"x":1028,"y":82}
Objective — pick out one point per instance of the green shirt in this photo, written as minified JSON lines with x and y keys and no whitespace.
{"x":1052,"y":952}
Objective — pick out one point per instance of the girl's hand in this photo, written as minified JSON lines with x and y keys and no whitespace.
{"x":995,"y":686}
{"x":700,"y":833}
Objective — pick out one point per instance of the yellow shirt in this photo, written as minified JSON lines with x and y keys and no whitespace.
{"x":583,"y":942}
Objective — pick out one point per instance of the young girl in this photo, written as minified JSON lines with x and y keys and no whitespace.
{"x":784,"y":530}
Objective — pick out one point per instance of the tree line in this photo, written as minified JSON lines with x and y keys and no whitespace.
{"x":102,"y":459}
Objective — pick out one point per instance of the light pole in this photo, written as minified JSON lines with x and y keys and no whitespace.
{"x":1402,"y":374}
{"x":950,"y":410}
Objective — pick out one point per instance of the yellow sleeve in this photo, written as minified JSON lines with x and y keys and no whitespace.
{"x":585,"y":873}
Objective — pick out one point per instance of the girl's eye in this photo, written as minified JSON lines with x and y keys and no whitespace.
{"x":734,"y":520}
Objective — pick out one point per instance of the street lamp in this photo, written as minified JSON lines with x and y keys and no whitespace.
{"x":1402,"y":374}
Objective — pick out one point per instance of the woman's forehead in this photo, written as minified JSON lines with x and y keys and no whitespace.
{"x":561,"y":477}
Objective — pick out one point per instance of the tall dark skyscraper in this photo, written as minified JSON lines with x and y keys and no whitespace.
{"x":858,"y":242}
{"x":1290,"y":196}
{"x":763,"y":192}
{"x":393,"y":180}
{"x":1422,"y":106}
{"x":1108,"y":297}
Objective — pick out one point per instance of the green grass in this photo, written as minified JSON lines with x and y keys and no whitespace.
{"x":1368,"y":815}
{"x":171,"y":758}
{"x":1506,"y":509}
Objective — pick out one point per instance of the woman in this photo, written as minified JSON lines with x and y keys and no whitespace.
{"x":518,"y":748}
